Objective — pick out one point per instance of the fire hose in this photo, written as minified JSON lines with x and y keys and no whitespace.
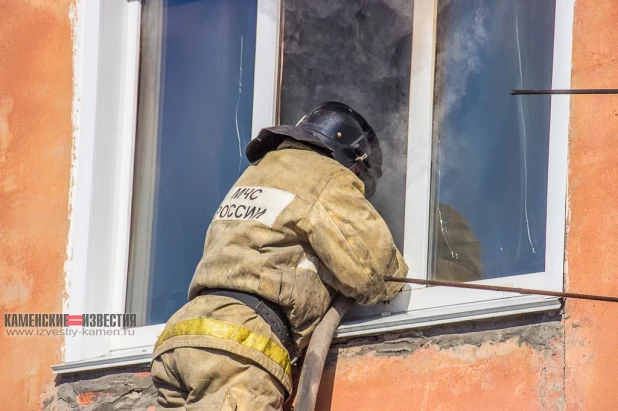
{"x":315,"y":357}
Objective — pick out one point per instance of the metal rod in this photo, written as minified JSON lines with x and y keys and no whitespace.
{"x":566,"y":91}
{"x":505,"y":289}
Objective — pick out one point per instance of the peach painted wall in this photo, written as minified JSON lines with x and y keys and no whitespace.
{"x":484,"y":370}
{"x":512,"y":364}
{"x":36,"y":93}
{"x":591,"y":330}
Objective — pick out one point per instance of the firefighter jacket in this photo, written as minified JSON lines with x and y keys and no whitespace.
{"x":296,"y":229}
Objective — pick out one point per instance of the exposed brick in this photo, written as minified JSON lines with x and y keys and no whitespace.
{"x":113,"y":389}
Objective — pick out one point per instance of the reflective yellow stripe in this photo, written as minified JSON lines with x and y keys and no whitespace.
{"x":232,"y":332}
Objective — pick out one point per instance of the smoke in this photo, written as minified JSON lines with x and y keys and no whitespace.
{"x":459,"y":46}
{"x":491,"y":148}
{"x":461,"y":38}
{"x":358,"y":53}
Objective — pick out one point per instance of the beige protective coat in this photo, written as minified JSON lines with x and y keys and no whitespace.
{"x":295,"y":229}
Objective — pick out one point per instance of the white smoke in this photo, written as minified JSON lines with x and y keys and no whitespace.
{"x":459,"y":47}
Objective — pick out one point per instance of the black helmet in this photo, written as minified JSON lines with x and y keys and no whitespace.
{"x":336,"y":130}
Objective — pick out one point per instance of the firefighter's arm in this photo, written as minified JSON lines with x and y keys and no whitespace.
{"x":353,"y":242}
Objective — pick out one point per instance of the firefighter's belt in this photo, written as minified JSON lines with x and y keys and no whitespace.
{"x":232,"y":332}
{"x":270,"y":312}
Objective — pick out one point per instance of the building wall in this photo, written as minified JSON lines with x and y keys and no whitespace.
{"x":509,"y":364}
{"x":36,"y":94}
{"x":544,"y":361}
{"x":591,"y":372}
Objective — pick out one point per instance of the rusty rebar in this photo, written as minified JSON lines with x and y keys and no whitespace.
{"x":528,"y":291}
{"x":565,"y":91}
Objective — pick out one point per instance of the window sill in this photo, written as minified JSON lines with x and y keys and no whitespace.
{"x":144,"y":356}
{"x":388,"y":322}
{"x":354,"y":328}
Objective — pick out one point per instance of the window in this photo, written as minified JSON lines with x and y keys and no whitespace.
{"x":474,"y":183}
{"x":465,"y":185}
{"x":194,"y":121}
{"x":157,"y":81}
{"x":491,"y":150}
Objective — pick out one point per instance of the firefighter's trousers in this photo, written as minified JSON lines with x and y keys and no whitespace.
{"x":193,"y":378}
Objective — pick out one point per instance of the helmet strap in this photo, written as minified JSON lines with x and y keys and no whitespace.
{"x":362,"y":156}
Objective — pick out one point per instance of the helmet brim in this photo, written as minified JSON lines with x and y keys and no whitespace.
{"x":268,"y":139}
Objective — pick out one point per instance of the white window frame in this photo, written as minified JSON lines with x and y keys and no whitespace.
{"x":421,"y":306}
{"x":106,"y":67}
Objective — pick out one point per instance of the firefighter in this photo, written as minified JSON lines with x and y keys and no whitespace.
{"x":295,"y":230}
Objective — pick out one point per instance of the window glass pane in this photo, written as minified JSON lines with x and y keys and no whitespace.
{"x":491,"y":148}
{"x":358,"y":53}
{"x":195,"y":105}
